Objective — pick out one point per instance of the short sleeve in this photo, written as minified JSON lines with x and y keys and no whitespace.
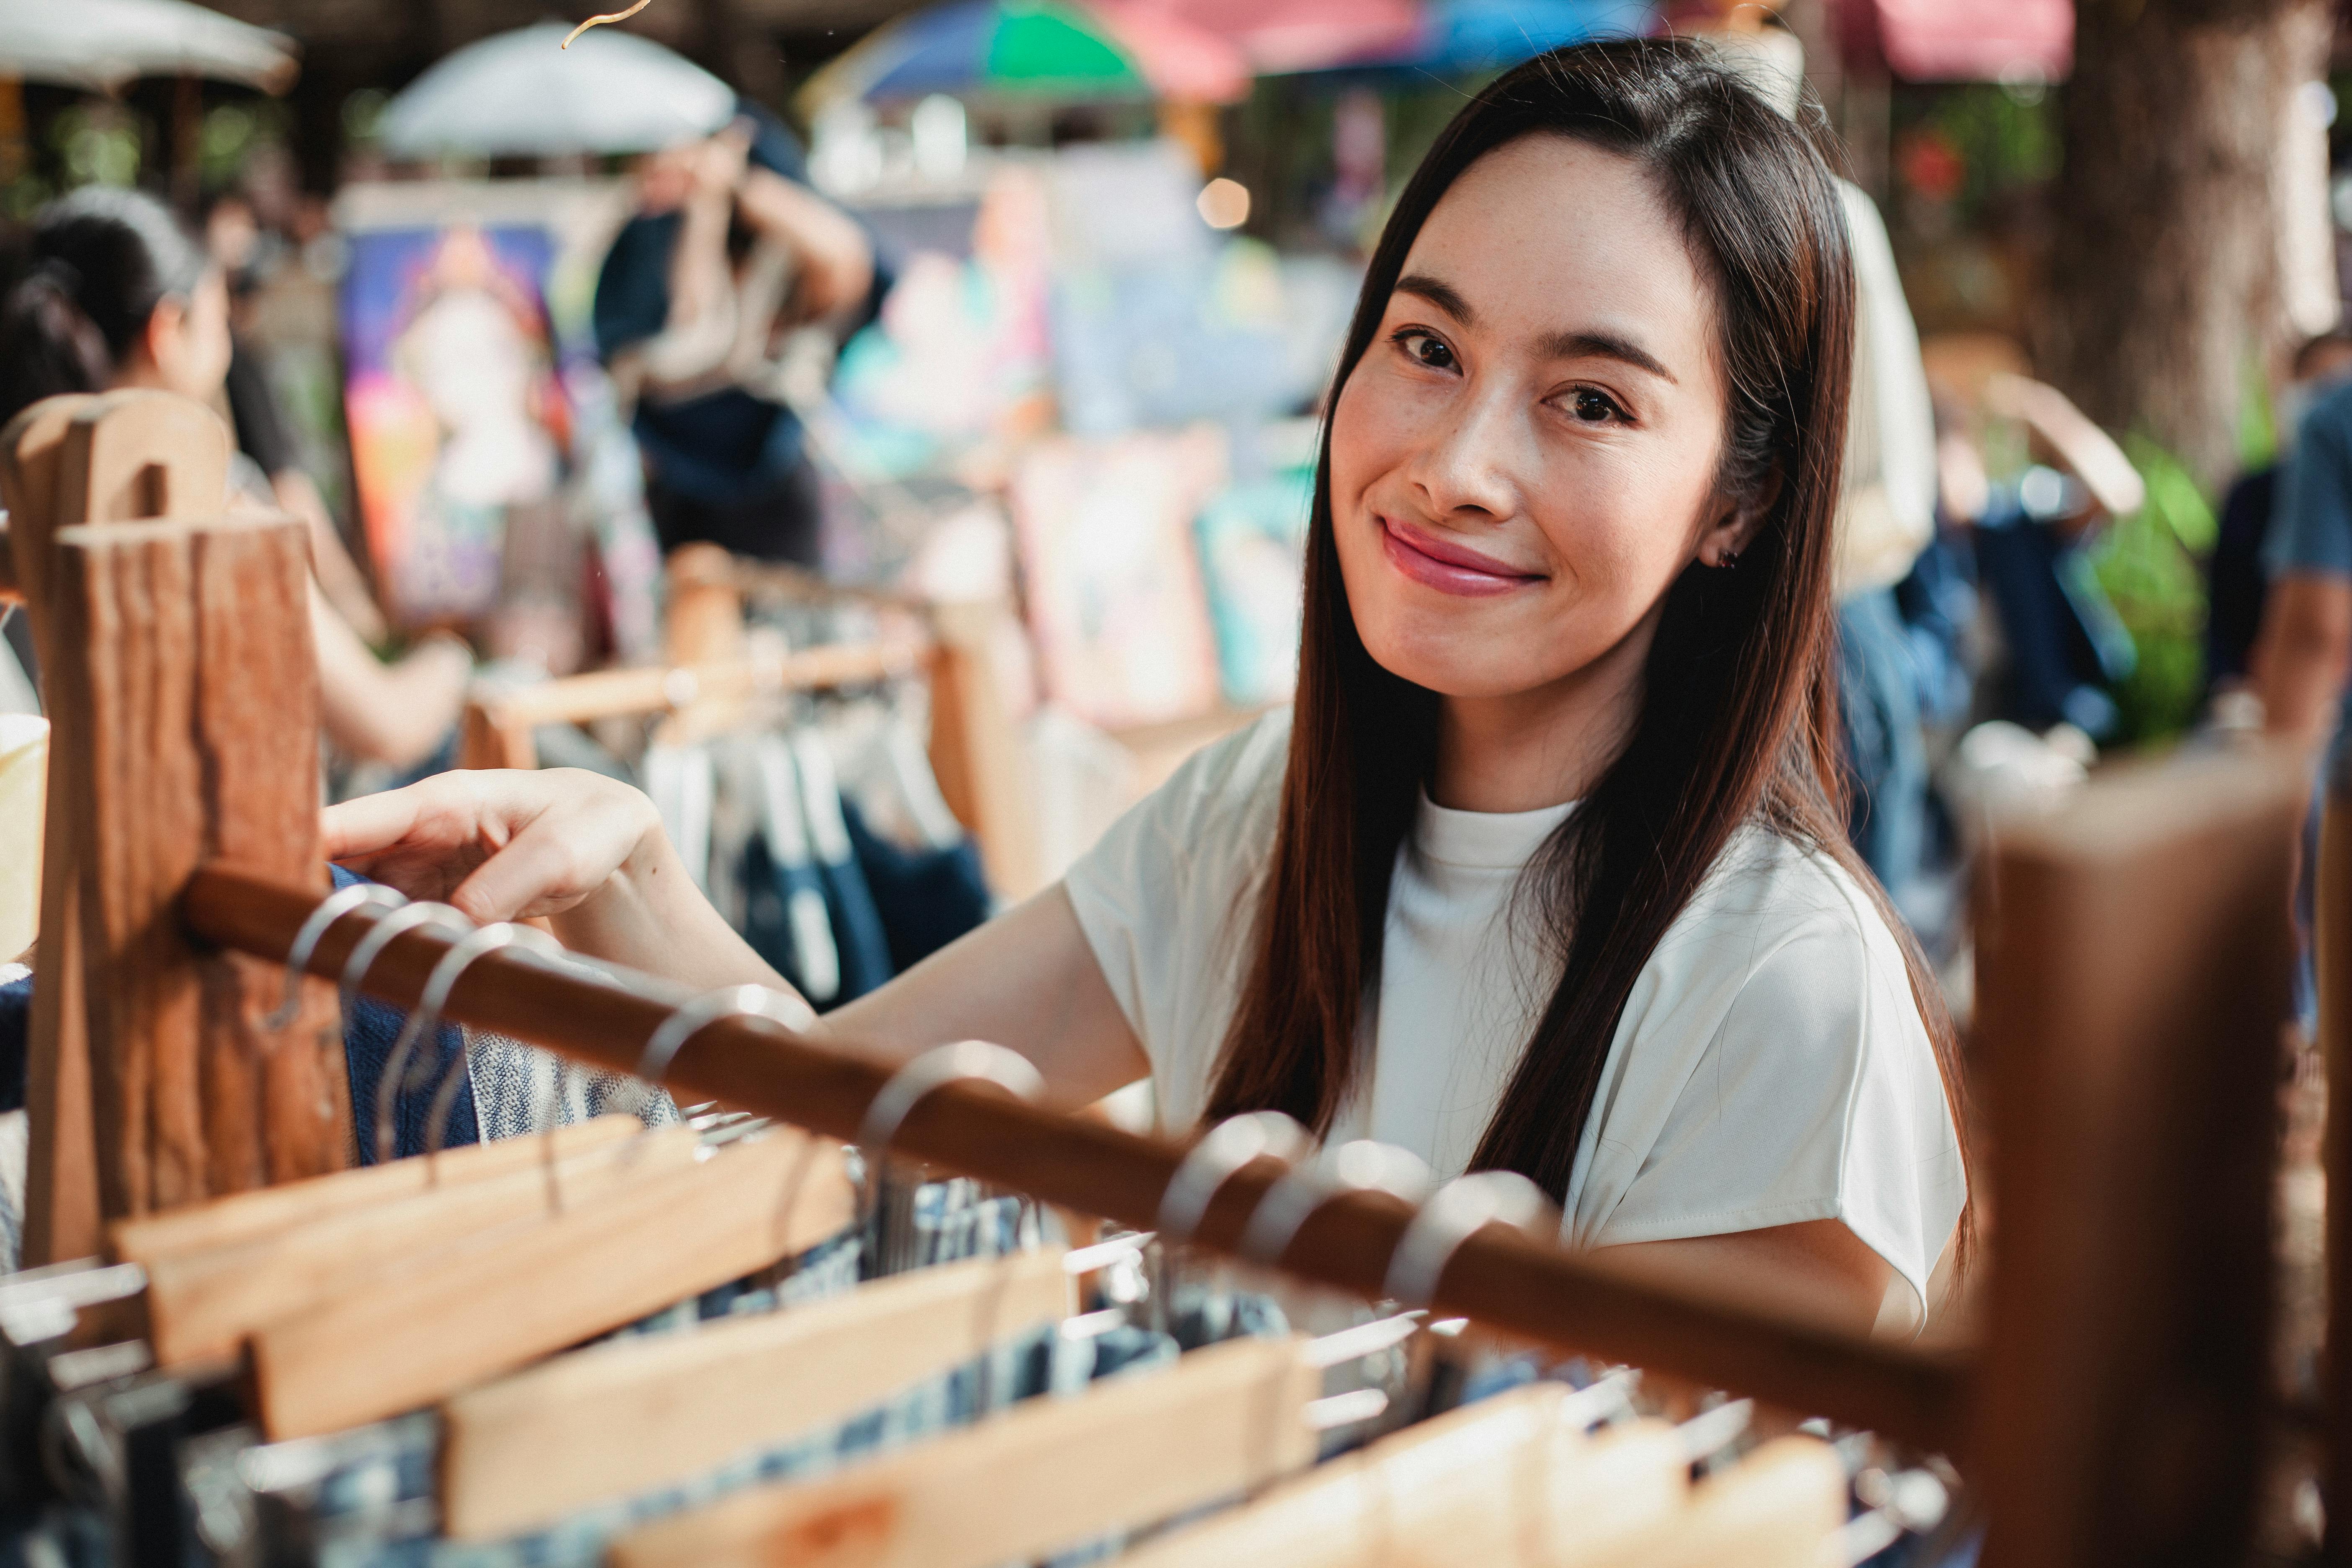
{"x":1163,"y":899}
{"x":2311,"y":524}
{"x":1817,"y":1097}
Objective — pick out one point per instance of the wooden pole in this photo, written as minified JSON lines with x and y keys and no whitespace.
{"x":1709,"y":1330}
{"x":244,"y":682}
{"x":2332,"y":961}
{"x":185,"y":648}
{"x":61,"y":1217}
{"x":2133,"y":957}
{"x":67,"y":461}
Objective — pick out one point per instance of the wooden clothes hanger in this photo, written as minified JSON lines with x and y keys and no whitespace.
{"x":494,"y":1301}
{"x":265,"y":1211}
{"x":1023,"y":1483}
{"x":1510,"y":1482}
{"x":632,"y":1415}
{"x":201,"y":1303}
{"x":1778,"y":1508}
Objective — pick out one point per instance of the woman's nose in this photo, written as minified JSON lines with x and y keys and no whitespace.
{"x":1469,"y":459}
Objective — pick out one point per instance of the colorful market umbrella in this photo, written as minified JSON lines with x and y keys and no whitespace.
{"x":1461,"y":36}
{"x":1966,"y":40}
{"x":101,"y":44}
{"x":1065,"y":51}
{"x":1280,"y":37}
{"x":521,"y":94}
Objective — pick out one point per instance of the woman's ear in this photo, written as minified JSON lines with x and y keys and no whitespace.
{"x":1737,"y":521}
{"x":160,"y":341}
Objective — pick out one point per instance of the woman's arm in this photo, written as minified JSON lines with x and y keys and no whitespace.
{"x":1819,"y":1269}
{"x":832,"y":261}
{"x":396,"y":713}
{"x":590,"y":853}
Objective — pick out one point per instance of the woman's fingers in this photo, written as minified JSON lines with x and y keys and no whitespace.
{"x":498,"y":845}
{"x":577,"y":832}
{"x":360,"y":827}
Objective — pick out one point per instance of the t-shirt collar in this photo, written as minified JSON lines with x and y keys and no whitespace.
{"x":1497,"y":840}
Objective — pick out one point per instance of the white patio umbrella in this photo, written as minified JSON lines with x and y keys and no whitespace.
{"x":520,"y":94}
{"x":101,"y":44}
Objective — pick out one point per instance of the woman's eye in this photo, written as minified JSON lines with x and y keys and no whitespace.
{"x":1424,"y":349}
{"x":1595,"y":407}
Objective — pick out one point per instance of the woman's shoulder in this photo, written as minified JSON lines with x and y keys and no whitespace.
{"x":1230,"y":789}
{"x":1768,"y":890}
{"x":1206,"y":828}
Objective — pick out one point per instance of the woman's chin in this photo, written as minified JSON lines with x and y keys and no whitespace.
{"x":1462,"y":665}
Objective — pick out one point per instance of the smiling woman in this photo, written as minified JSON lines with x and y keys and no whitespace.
{"x":1546,"y":872}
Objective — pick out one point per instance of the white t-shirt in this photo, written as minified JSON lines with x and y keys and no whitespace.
{"x":1770,"y":1066}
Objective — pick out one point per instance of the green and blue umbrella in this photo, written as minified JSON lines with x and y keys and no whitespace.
{"x":1072,"y":51}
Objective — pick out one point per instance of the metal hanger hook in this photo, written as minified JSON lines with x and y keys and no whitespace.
{"x":1454,"y":1214}
{"x":1361,"y":1165}
{"x":690,"y":1019}
{"x":427,"y":1016}
{"x":407,"y":917}
{"x":963,"y":1061}
{"x":332,"y":908}
{"x":1212,"y":1162}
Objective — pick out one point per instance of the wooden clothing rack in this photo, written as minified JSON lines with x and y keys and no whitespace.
{"x":714,"y":669}
{"x":2133,"y":963}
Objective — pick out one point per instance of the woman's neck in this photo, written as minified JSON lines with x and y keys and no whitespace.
{"x":1542,"y":747}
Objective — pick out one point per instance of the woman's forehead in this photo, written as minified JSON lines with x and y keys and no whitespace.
{"x":1548,"y":237}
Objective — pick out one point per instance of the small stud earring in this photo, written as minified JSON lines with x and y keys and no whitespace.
{"x":1727,"y":560}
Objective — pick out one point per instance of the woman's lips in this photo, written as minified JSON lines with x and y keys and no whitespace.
{"x":1447,"y":567}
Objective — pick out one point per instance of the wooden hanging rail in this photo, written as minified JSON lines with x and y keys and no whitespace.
{"x":626,"y":693}
{"x":1672,"y":1323}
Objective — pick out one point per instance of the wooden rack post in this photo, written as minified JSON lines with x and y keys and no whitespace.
{"x":2133,"y":957}
{"x":2332,"y":965}
{"x":183,"y":695}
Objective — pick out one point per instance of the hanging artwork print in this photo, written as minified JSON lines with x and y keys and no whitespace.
{"x":457,"y":415}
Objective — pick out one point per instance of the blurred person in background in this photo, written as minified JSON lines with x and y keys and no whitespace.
{"x":729,"y":254}
{"x":2303,"y":650}
{"x":118,"y":295}
{"x":237,"y":243}
{"x":2238,"y":574}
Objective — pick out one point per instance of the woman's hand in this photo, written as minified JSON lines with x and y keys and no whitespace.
{"x":498,"y":845}
{"x":575,"y":846}
{"x":592,"y":854}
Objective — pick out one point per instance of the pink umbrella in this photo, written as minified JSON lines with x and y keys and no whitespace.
{"x":1968,"y":40}
{"x":1282,"y":36}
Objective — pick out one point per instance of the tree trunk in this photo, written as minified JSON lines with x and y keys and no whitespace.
{"x":738,"y":50}
{"x":2165,"y":275}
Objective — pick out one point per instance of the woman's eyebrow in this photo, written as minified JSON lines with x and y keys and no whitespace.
{"x":1590,"y":343}
{"x":1438,"y":292}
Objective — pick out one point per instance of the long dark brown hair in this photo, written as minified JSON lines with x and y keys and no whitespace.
{"x":1738,"y":721}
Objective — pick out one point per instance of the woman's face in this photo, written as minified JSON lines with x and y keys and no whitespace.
{"x":1524,"y":459}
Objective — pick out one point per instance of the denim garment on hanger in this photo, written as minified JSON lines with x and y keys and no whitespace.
{"x":368,"y":1033}
{"x":789,"y":917}
{"x":857,"y":934}
{"x":926,"y":897}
